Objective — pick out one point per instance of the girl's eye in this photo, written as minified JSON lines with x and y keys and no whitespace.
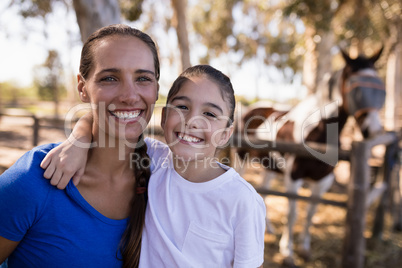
{"x":210,"y":114}
{"x":182,"y":107}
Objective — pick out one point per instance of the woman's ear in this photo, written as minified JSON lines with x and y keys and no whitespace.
{"x":82,"y":89}
{"x":163,"y":118}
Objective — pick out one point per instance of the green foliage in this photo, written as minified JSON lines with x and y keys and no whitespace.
{"x":47,"y":78}
{"x":11,"y":94}
{"x":213,"y":23}
{"x":363,"y":20}
{"x":35,"y":8}
{"x":131,"y":9}
{"x":46,"y":91}
{"x":251,"y":29}
{"x":316,"y":13}
{"x":274,"y":30}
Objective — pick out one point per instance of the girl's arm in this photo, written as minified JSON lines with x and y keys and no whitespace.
{"x":250,"y":232}
{"x":68,"y":160}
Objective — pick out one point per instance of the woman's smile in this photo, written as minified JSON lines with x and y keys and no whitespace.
{"x":127,"y":115}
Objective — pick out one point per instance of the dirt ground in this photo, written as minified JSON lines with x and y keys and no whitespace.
{"x":327,"y":230}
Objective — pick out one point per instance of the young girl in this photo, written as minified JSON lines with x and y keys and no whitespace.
{"x":200,"y":213}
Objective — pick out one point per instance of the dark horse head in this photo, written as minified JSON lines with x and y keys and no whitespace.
{"x":363,"y":92}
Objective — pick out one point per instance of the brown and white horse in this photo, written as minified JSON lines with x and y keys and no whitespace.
{"x":356,"y":91}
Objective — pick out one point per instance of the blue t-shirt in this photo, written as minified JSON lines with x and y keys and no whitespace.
{"x":56,"y":228}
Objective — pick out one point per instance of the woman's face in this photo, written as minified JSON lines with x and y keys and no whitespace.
{"x":121,"y":87}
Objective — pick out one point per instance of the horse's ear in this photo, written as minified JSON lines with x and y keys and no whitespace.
{"x":377,"y":55}
{"x":345,"y":56}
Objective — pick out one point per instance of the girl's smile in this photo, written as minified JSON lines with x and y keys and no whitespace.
{"x":186,"y":138}
{"x":195,"y":120}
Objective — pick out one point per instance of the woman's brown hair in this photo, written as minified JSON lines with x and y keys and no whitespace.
{"x":131,"y":241}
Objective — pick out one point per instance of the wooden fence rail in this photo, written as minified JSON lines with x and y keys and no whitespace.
{"x":38,"y":122}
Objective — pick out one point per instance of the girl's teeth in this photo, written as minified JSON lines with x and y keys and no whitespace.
{"x":126,"y":115}
{"x":188,"y":138}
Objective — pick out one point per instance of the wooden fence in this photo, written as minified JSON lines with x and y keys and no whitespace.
{"x":38,"y":122}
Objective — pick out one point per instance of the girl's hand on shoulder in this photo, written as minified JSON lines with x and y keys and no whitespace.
{"x":68,"y":160}
{"x":65,"y":162}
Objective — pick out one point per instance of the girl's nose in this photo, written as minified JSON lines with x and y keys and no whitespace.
{"x":195,"y":122}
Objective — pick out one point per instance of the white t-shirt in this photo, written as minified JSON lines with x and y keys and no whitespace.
{"x":219,"y":223}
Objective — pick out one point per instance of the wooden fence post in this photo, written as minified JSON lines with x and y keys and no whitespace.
{"x":35,"y":126}
{"x":389,"y":161}
{"x":354,"y":242}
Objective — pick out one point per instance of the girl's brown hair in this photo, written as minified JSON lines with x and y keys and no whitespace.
{"x":212,"y":74}
{"x":131,"y":241}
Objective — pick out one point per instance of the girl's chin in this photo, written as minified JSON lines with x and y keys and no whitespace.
{"x":186,"y":156}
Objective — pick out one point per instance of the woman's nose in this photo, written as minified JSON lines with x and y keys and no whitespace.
{"x":129,"y":93}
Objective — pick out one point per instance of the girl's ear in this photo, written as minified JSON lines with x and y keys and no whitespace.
{"x":82,"y":89}
{"x":225,"y":136}
{"x":163,"y":119}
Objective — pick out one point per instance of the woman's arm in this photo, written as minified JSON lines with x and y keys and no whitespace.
{"x":6,"y":248}
{"x":68,"y":160}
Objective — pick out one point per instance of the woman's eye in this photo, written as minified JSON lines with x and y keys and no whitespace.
{"x":108,"y":79}
{"x":144,"y":79}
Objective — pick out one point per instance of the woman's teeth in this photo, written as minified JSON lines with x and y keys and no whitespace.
{"x":127,"y":115}
{"x":188,"y":138}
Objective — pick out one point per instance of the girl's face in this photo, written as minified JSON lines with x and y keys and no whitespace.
{"x":195,"y":120}
{"x":121,"y":86}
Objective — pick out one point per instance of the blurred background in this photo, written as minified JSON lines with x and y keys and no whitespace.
{"x":272,"y":50}
{"x":276,"y":51}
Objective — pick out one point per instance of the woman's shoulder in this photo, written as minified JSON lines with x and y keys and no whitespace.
{"x":24,"y":193}
{"x":30,"y":161}
{"x":26,"y":175}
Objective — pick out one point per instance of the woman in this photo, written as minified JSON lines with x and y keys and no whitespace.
{"x":83,"y":226}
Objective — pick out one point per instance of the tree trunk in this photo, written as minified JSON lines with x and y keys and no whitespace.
{"x":318,"y":58}
{"x":324,"y":56}
{"x":310,"y":60}
{"x":180,"y":23}
{"x":94,"y":14}
{"x":393,"y":112}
